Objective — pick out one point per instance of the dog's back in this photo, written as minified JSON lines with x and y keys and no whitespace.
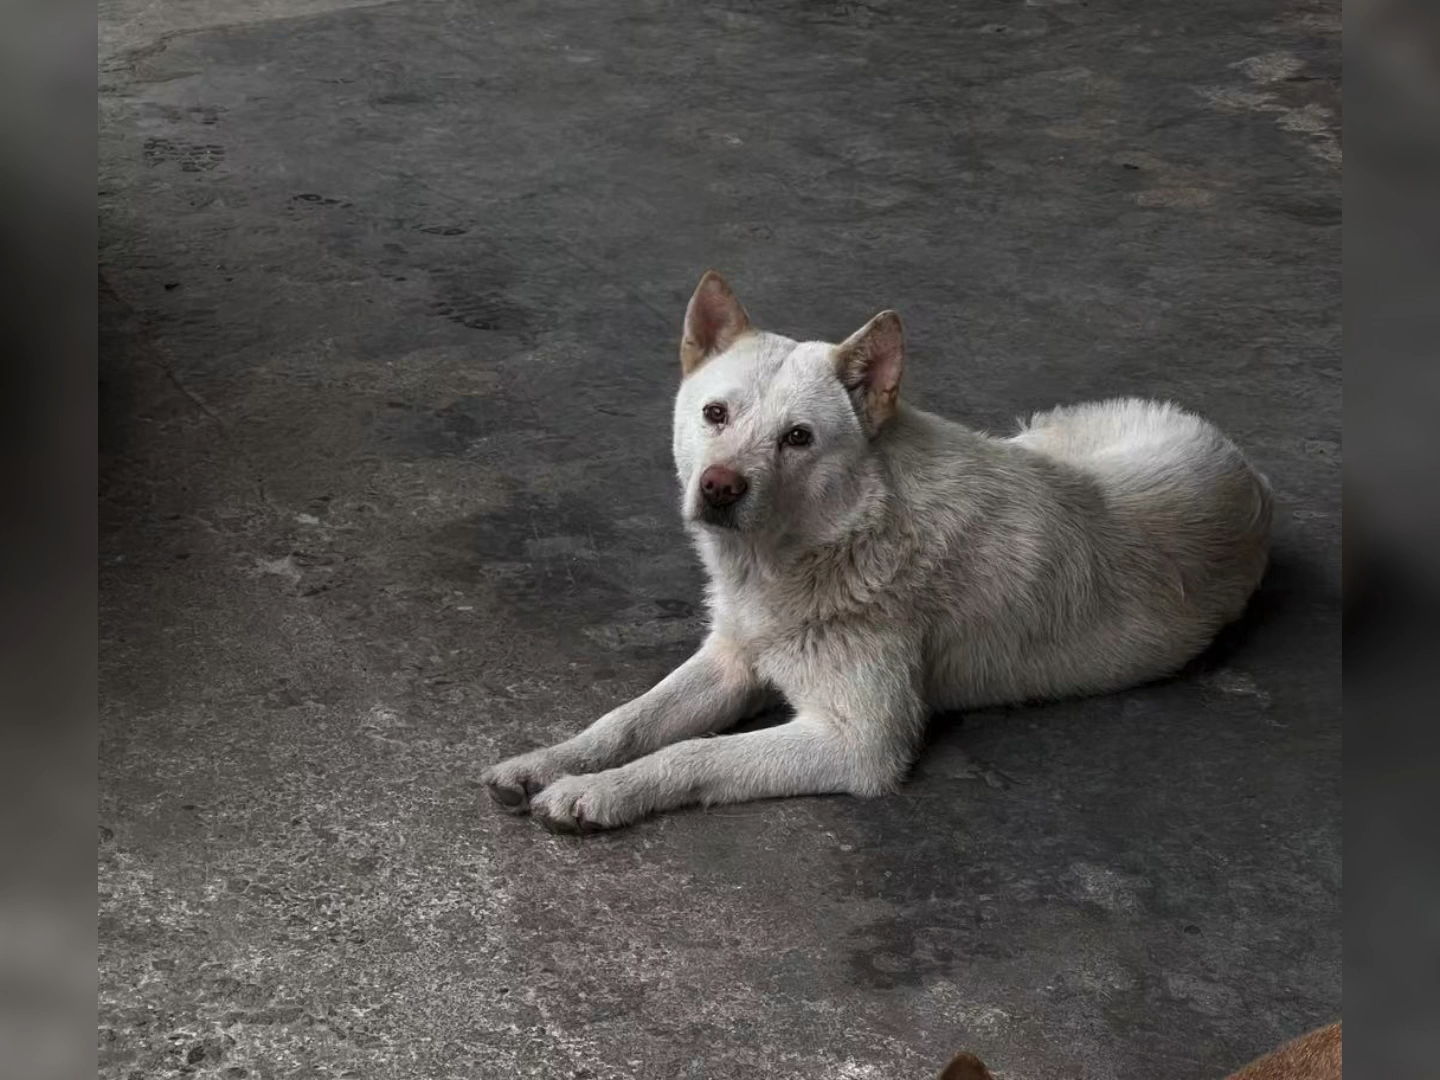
{"x":1102,"y":546}
{"x":1180,"y":489}
{"x":1174,"y":478}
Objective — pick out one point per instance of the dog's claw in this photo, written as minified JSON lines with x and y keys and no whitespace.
{"x":585,"y":828}
{"x":569,"y":821}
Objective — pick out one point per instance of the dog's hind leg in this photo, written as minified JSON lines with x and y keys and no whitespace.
{"x":715,"y":689}
{"x":814,"y":754}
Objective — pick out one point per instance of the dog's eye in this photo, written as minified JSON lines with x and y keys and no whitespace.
{"x":716,"y":413}
{"x":797,"y":436}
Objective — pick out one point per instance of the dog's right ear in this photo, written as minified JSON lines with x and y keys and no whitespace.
{"x":966,"y":1067}
{"x":869,"y":363}
{"x":713,"y":322}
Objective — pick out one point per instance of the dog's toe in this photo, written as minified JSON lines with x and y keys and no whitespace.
{"x":514,"y":785}
{"x":557,"y":821}
{"x":507,"y":791}
{"x":567,"y":807}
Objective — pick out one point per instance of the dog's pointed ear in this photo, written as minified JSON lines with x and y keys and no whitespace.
{"x":869,"y":364}
{"x":966,"y":1067}
{"x":713,"y":322}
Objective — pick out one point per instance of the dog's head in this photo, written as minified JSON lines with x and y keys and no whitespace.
{"x":772,"y":435}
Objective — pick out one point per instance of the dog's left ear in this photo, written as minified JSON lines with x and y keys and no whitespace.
{"x":869,"y":363}
{"x":714,"y":321}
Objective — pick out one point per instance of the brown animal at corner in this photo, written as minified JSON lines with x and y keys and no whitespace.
{"x":1315,"y":1056}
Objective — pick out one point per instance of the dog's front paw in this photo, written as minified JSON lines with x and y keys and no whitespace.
{"x":581,"y":804}
{"x":514,"y":783}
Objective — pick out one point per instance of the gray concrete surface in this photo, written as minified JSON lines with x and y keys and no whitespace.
{"x":390,"y":301}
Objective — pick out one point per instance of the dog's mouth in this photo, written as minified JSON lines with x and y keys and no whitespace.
{"x":721,"y":517}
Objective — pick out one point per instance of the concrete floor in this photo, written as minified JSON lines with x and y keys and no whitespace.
{"x":391,"y":294}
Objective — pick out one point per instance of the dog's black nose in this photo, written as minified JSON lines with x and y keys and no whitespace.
{"x":721,"y":486}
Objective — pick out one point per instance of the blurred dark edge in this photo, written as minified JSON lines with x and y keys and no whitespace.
{"x":1392,"y":536}
{"x":47,"y":681}
{"x":47,"y":522}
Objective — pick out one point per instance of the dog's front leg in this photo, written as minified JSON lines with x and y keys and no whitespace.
{"x":714,"y":689}
{"x":862,"y":750}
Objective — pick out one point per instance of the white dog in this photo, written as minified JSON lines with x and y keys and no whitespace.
{"x":871,"y":563}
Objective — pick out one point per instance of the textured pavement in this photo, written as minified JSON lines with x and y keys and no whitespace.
{"x":390,"y":301}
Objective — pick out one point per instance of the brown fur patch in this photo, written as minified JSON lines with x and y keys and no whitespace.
{"x":966,"y":1067}
{"x":1315,"y":1056}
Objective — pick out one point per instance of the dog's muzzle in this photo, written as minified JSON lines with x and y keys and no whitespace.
{"x":721,"y":489}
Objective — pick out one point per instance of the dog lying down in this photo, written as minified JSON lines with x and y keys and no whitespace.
{"x":1315,"y":1056}
{"x":872,"y":563}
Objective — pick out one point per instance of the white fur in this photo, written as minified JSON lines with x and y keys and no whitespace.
{"x":871,"y":578}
